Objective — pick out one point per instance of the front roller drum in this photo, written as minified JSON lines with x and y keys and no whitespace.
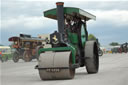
{"x":56,"y":65}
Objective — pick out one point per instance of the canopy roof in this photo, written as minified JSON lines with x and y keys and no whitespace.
{"x":70,"y":11}
{"x":25,"y":39}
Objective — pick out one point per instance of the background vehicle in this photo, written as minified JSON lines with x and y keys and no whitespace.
{"x":124,"y":47}
{"x":25,"y":47}
{"x":5,"y":53}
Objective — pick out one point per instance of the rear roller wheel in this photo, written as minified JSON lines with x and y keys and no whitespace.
{"x":91,"y":57}
{"x":27,"y":57}
{"x":100,"y":52}
{"x":15,"y":57}
{"x":60,"y":60}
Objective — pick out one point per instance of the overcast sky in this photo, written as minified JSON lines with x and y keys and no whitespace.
{"x":26,"y":16}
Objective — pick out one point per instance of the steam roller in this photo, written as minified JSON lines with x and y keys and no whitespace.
{"x":70,"y":48}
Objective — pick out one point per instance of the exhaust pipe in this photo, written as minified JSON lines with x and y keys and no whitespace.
{"x":60,"y":20}
{"x":60,"y":16}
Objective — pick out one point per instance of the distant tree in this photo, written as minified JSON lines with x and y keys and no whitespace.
{"x":91,"y":37}
{"x":1,"y":45}
{"x":114,"y":43}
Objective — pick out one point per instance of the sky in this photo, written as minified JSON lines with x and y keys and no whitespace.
{"x":26,"y":16}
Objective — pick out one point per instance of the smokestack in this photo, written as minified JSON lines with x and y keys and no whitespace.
{"x":60,"y":16}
